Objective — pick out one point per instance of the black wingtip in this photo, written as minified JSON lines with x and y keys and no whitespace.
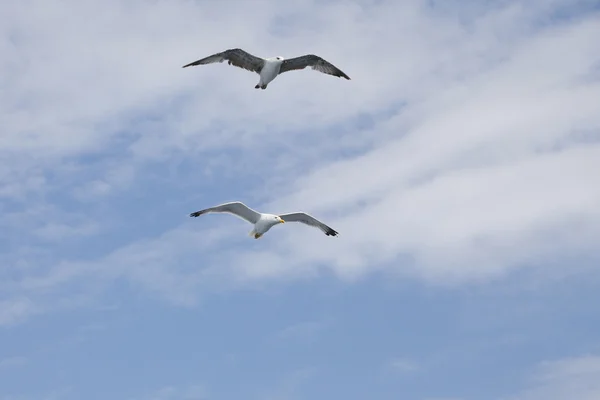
{"x":331,"y":232}
{"x":197,"y":62}
{"x":195,"y":214}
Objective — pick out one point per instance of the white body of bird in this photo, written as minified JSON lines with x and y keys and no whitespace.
{"x":269,"y":71}
{"x":265,"y":222}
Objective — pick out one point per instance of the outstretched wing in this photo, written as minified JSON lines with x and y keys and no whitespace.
{"x":308,"y":220}
{"x":315,"y":62}
{"x":236,"y":208}
{"x":237,"y":57}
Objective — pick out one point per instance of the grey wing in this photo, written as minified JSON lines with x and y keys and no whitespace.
{"x":236,"y":208}
{"x":308,"y":220}
{"x":315,"y":62}
{"x":237,"y":57}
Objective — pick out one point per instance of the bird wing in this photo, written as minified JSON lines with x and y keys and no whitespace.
{"x":308,"y":220}
{"x":236,"y":208}
{"x":315,"y":62}
{"x":237,"y":57}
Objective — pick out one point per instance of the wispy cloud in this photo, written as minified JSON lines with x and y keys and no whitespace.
{"x":15,"y":310}
{"x":11,"y":362}
{"x":289,"y":387}
{"x":192,"y":392}
{"x":301,"y":330}
{"x":404,"y":365}
{"x":569,"y":378}
{"x":474,"y":154}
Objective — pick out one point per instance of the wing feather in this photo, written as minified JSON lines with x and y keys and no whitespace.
{"x":236,"y":208}
{"x":308,"y":220}
{"x":315,"y":62}
{"x":236,"y":57}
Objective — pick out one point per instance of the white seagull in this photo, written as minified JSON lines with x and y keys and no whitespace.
{"x":263,"y":222}
{"x":269,"y":68}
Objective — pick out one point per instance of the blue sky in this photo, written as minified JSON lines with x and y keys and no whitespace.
{"x":459,"y":166}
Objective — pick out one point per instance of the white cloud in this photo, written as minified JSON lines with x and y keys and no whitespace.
{"x":479,"y":155}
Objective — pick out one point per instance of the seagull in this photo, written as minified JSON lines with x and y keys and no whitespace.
{"x":269,"y":68}
{"x":263,"y":222}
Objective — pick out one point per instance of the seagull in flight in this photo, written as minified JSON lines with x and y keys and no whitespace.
{"x":269,"y":68}
{"x":263,"y":222}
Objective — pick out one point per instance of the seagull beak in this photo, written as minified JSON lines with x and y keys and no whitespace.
{"x":282,"y":221}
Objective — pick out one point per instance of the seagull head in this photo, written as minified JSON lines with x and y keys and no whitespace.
{"x":281,"y":221}
{"x":279,"y":58}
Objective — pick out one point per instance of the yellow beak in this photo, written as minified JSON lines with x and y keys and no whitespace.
{"x":282,"y":221}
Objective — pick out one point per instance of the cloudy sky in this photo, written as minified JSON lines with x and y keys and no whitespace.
{"x":460,"y":166}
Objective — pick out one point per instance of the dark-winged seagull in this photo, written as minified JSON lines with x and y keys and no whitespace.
{"x":269,"y":68}
{"x":263,"y":222}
